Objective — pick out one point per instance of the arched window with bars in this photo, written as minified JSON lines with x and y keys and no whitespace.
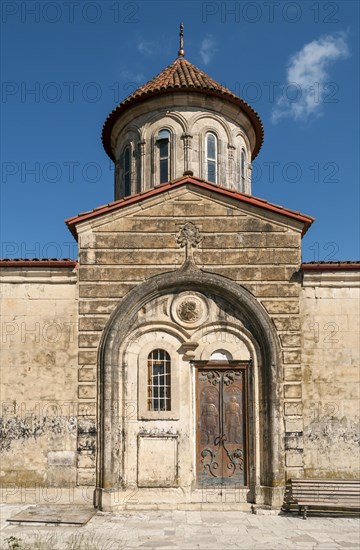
{"x":211,"y":157}
{"x":159,"y":381}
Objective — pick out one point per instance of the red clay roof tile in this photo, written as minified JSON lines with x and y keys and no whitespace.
{"x":181,"y":76}
{"x":185,"y":180}
{"x":330,"y":266}
{"x":38,"y":262}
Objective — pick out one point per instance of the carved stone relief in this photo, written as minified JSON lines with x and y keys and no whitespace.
{"x":189,"y":309}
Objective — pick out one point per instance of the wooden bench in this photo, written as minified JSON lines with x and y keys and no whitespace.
{"x":340,"y":494}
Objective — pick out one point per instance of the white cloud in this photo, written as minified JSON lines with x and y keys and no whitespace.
{"x":207,"y":49}
{"x":147,"y":47}
{"x":131,"y":76}
{"x":308,"y":76}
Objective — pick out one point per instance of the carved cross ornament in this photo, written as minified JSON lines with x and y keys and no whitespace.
{"x":189,"y":237}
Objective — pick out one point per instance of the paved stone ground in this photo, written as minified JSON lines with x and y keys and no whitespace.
{"x":186,"y":530}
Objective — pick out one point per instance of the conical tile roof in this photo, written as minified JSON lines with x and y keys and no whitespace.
{"x":181,"y":76}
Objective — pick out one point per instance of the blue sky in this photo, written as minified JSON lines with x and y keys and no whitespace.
{"x":67,"y":64}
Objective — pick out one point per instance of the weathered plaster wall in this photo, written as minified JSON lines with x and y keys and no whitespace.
{"x":38,"y":378}
{"x":330,"y":361}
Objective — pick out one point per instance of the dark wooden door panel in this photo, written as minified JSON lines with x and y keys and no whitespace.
{"x":221,"y":425}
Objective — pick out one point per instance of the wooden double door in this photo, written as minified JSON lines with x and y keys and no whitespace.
{"x":222,"y":426}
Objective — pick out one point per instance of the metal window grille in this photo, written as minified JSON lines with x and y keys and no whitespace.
{"x":159,"y":381}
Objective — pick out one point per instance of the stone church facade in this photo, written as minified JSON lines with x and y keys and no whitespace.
{"x":188,"y":358}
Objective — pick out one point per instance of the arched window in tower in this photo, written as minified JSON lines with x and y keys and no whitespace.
{"x":127,"y":171}
{"x":159,"y":381}
{"x":211,"y":155}
{"x":163,"y":143}
{"x":242,"y":169}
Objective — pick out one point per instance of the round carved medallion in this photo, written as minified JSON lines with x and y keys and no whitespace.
{"x":189,"y":309}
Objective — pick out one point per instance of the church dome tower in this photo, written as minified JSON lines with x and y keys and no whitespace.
{"x":182,"y":122}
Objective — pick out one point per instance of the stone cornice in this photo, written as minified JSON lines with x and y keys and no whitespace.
{"x":336,"y":278}
{"x":36,"y":275}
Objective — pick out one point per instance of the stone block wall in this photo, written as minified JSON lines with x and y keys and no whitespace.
{"x":258,"y":249}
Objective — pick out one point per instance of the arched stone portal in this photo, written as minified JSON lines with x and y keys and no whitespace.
{"x":127,"y":337}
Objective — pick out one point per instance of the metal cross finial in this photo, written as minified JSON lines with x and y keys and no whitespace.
{"x":181,"y":52}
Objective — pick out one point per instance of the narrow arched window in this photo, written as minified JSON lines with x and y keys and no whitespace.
{"x":242,"y":169}
{"x":163,"y":143}
{"x":127,"y":171}
{"x":211,"y":154}
{"x":159,"y":380}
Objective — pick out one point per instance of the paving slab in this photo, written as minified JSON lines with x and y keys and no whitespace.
{"x":53,"y":514}
{"x":184,"y":530}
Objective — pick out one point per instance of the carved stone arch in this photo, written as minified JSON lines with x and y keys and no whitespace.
{"x":134,"y":129}
{"x":130,"y":137}
{"x":239,"y":333}
{"x":208,"y":128}
{"x":160,"y":115}
{"x":164,"y":126}
{"x":244,"y":137}
{"x":179,"y":118}
{"x":171,"y":328}
{"x":123,"y":320}
{"x":221,"y":130}
{"x":158,"y":123}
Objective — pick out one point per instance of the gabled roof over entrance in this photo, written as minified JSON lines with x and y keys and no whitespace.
{"x":192,"y":181}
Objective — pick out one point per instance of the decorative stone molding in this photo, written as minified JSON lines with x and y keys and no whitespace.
{"x":157,"y":432}
{"x":189,"y":350}
{"x":246,"y":309}
{"x":189,"y":310}
{"x":336,"y":278}
{"x":231,"y":152}
{"x":189,"y":237}
{"x":187,"y":138}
